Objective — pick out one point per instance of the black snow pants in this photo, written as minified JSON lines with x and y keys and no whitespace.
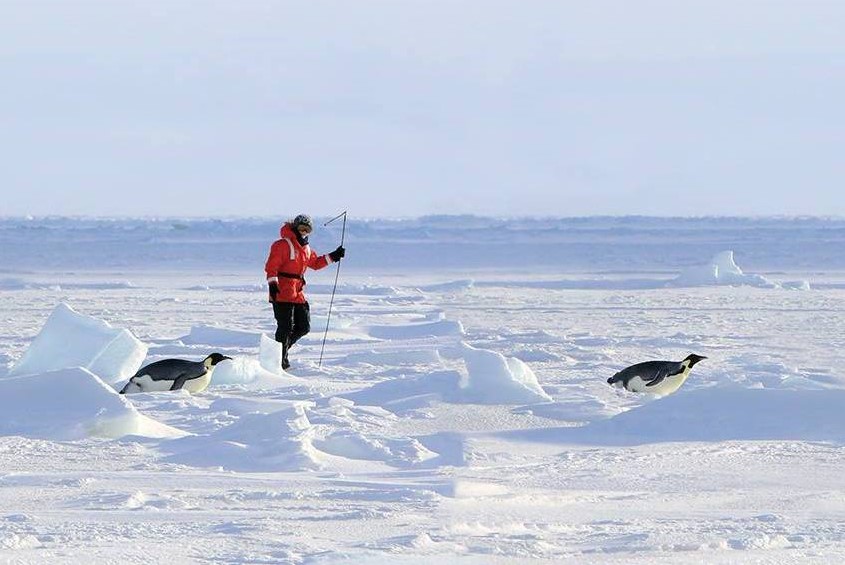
{"x":293,"y":321}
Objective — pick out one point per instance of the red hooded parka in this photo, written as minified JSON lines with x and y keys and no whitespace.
{"x":287,"y":263}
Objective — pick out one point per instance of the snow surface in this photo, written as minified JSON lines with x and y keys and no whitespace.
{"x":457,"y":416}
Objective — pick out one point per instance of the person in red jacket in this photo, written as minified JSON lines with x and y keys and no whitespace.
{"x":289,"y":257}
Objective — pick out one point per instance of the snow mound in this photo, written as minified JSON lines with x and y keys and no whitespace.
{"x":410,"y":392}
{"x":250,"y":372}
{"x":723,"y":270}
{"x":353,"y":444}
{"x":221,"y":337}
{"x":270,"y":354}
{"x":278,"y":441}
{"x":728,"y":413}
{"x":413,"y":331}
{"x":491,"y":378}
{"x":494,"y":379}
{"x":70,"y":404}
{"x":69,"y":339}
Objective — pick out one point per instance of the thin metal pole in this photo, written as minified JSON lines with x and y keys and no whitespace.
{"x":336,"y":275}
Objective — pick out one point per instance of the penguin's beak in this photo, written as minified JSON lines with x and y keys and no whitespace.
{"x":224,"y":358}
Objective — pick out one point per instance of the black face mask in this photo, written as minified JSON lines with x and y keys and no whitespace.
{"x":302,"y":239}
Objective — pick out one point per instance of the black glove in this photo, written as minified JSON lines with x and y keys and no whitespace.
{"x":338,"y":254}
{"x":274,"y":290}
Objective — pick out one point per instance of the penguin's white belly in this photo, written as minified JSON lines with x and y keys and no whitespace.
{"x":145,"y":383}
{"x":666,"y":386}
{"x":200,"y":383}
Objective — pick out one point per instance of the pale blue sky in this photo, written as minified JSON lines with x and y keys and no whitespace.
{"x":403,"y":108}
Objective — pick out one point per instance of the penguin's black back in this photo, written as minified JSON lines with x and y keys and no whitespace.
{"x":172,"y":369}
{"x":648,"y":371}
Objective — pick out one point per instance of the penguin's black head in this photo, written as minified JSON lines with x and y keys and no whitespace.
{"x":693,"y":359}
{"x":215,"y":358}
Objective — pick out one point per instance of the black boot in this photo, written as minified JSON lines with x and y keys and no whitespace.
{"x":285,"y":362}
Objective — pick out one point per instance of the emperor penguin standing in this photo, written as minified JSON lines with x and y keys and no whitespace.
{"x":658,"y":377}
{"x":174,"y":374}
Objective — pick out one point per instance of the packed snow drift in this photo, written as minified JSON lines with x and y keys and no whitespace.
{"x":69,"y":339}
{"x":723,"y":270}
{"x":70,"y":404}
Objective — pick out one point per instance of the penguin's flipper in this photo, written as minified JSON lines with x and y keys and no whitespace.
{"x":671,"y":372}
{"x":179,"y":382}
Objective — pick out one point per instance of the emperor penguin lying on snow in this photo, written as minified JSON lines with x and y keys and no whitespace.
{"x":173,"y":374}
{"x":658,"y":377}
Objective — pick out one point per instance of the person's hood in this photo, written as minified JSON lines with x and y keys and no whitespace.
{"x":287,"y":232}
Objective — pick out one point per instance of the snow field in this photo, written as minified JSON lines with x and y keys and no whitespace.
{"x":490,"y":439}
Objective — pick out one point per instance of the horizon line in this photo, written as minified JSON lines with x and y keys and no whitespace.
{"x":283,"y":217}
